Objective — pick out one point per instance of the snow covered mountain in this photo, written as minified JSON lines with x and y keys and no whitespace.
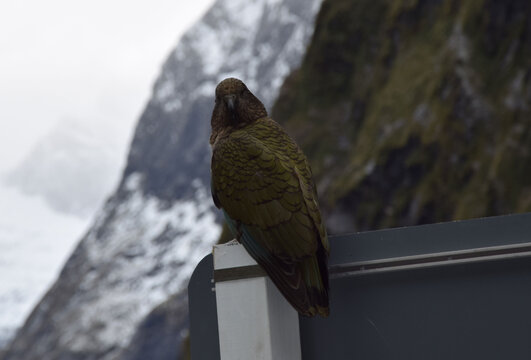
{"x":150,"y":234}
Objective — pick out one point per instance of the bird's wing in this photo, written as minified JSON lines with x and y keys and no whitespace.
{"x":263,"y":185}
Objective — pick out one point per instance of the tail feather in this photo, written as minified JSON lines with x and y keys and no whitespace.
{"x":303,"y":283}
{"x":315,"y":270}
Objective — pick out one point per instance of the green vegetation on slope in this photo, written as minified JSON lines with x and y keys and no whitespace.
{"x":415,"y":111}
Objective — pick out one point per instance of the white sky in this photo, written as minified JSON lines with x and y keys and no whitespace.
{"x":92,"y":61}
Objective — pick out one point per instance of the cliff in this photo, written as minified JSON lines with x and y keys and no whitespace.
{"x":415,"y":111}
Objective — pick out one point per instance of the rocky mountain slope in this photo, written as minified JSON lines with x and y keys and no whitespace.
{"x":416,"y":111}
{"x":160,"y":222}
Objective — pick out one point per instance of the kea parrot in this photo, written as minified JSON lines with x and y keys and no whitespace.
{"x":263,"y":183}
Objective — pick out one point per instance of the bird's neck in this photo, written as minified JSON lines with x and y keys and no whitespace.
{"x":224,"y":131}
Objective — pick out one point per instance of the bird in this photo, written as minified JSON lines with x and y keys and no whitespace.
{"x":262,"y":182}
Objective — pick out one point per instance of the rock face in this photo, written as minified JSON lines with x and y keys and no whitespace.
{"x":162,"y":333}
{"x":414,"y":112}
{"x":147,"y":239}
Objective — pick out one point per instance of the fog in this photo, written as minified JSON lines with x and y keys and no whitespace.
{"x":92,"y":62}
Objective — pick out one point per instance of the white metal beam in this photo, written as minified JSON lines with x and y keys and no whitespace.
{"x":254,"y":319}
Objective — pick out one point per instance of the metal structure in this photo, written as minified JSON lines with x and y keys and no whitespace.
{"x":458,"y":290}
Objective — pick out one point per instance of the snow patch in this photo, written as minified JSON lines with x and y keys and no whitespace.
{"x":148,"y":253}
{"x":165,"y":90}
{"x":206,"y":89}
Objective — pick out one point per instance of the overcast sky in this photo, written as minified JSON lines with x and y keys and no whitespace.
{"x":90,"y":61}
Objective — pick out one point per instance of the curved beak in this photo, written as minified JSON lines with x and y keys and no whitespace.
{"x":230,"y":100}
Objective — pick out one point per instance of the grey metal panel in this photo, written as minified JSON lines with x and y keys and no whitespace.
{"x":415,"y":240}
{"x":471,"y":311}
{"x":466,"y":311}
{"x":204,"y":343}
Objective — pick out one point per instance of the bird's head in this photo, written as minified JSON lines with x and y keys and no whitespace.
{"x":235,"y":107}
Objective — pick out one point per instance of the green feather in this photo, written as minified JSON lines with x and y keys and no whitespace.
{"x":263,"y":183}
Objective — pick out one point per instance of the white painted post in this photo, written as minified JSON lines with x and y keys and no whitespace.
{"x":254,"y":319}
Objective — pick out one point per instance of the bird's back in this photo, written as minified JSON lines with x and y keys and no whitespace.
{"x":263,"y":183}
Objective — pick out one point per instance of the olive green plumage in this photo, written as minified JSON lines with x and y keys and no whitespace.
{"x":263,"y":183}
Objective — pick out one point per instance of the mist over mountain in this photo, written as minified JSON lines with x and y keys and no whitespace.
{"x":73,"y":168}
{"x":32,"y":251}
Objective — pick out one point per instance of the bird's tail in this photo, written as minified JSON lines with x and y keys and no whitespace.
{"x":315,"y":276}
{"x":304,"y":283}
